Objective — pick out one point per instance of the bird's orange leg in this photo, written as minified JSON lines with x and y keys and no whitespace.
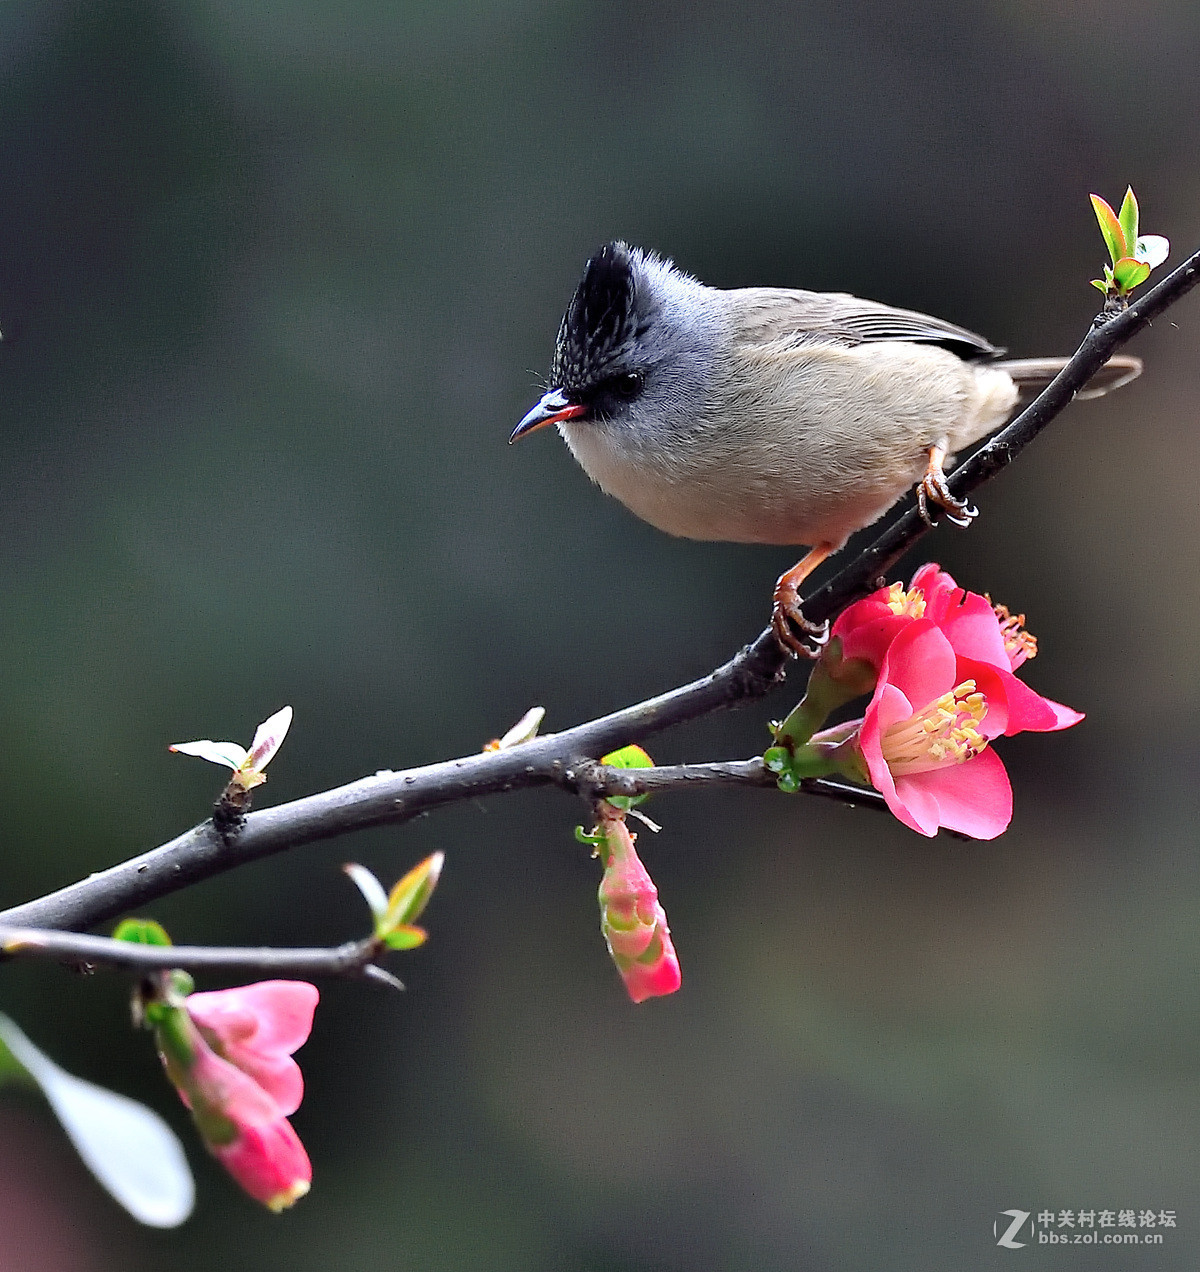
{"x":786,"y":614}
{"x":932,"y":489}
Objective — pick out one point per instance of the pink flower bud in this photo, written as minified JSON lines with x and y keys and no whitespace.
{"x":269,"y":1162}
{"x":229,"y":1055}
{"x":632,"y":920}
{"x":257,"y":1027}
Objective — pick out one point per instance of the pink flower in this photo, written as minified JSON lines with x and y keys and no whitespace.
{"x":257,"y":1027}
{"x":269,"y":1162}
{"x":942,"y":663}
{"x":632,"y":920}
{"x":981,"y":634}
{"x":925,"y":734}
{"x":986,"y":635}
{"x":229,"y":1055}
{"x":868,"y":627}
{"x":924,"y":745}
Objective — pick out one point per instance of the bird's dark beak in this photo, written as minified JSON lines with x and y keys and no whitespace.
{"x":552,"y":408}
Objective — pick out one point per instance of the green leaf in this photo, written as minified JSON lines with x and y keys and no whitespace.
{"x":1100,"y":283}
{"x":1110,"y":228}
{"x":180,"y":982}
{"x":627,"y":757}
{"x":1129,"y":220}
{"x":593,"y":841}
{"x":411,"y":895}
{"x":1128,"y":216}
{"x":129,"y":1148}
{"x":11,"y":1069}
{"x":788,"y":782}
{"x":1128,"y":273}
{"x":405,"y":937}
{"x":141,"y":932}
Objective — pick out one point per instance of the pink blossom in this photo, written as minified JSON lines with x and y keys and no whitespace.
{"x":257,"y":1027}
{"x":942,"y":662}
{"x":632,"y":919}
{"x":229,"y":1055}
{"x":982,"y":635}
{"x":269,"y":1162}
{"x":868,"y":627}
{"x":923,"y":741}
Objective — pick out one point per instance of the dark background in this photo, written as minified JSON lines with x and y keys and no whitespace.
{"x":276,"y":280}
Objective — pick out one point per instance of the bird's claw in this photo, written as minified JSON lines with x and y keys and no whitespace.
{"x":788,"y":620}
{"x":932,"y":489}
{"x":791,"y":627}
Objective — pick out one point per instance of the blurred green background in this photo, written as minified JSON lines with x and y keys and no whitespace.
{"x":276,"y":280}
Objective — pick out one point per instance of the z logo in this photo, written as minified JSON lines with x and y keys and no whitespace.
{"x":1018,"y":1218}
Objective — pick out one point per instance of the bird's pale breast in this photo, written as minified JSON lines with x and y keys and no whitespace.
{"x":796,"y":445}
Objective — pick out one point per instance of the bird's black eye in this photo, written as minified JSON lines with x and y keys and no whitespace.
{"x":626,"y":387}
{"x":606,"y":397}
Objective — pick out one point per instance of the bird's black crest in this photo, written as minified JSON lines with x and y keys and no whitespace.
{"x":599,"y":322}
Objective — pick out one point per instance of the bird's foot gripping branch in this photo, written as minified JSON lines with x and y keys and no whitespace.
{"x":936,"y":665}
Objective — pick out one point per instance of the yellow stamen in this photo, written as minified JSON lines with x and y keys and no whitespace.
{"x":1019,"y":644}
{"x":945,"y":732}
{"x":902,"y":603}
{"x":282,"y":1200}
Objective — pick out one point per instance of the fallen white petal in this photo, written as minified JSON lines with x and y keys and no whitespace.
{"x":525,"y":729}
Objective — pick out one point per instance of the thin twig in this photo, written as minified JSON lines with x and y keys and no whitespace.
{"x":395,"y":797}
{"x":593,"y":781}
{"x":354,"y":958}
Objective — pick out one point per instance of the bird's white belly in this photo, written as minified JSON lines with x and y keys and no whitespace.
{"x":736,"y":499}
{"x":780,"y":466}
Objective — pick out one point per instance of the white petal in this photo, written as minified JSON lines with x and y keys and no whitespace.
{"x":268,"y":737}
{"x":525,"y":729}
{"x":372,"y":890}
{"x":132,"y":1152}
{"x":216,"y":752}
{"x":1153,"y":249}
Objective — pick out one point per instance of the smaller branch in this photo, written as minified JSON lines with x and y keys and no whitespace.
{"x":354,"y":958}
{"x":847,"y":793}
{"x":593,"y":781}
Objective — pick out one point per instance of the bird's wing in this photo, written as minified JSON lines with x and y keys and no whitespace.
{"x":776,"y":315}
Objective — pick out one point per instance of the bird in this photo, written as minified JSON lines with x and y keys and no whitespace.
{"x":772,"y":415}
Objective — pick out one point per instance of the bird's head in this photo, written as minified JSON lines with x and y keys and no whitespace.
{"x":635,"y":338}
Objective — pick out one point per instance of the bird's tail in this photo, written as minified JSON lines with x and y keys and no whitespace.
{"x":1031,"y":375}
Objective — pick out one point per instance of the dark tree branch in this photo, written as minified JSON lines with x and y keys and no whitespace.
{"x":395,"y":797}
{"x":593,"y":781}
{"x":354,"y":958}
